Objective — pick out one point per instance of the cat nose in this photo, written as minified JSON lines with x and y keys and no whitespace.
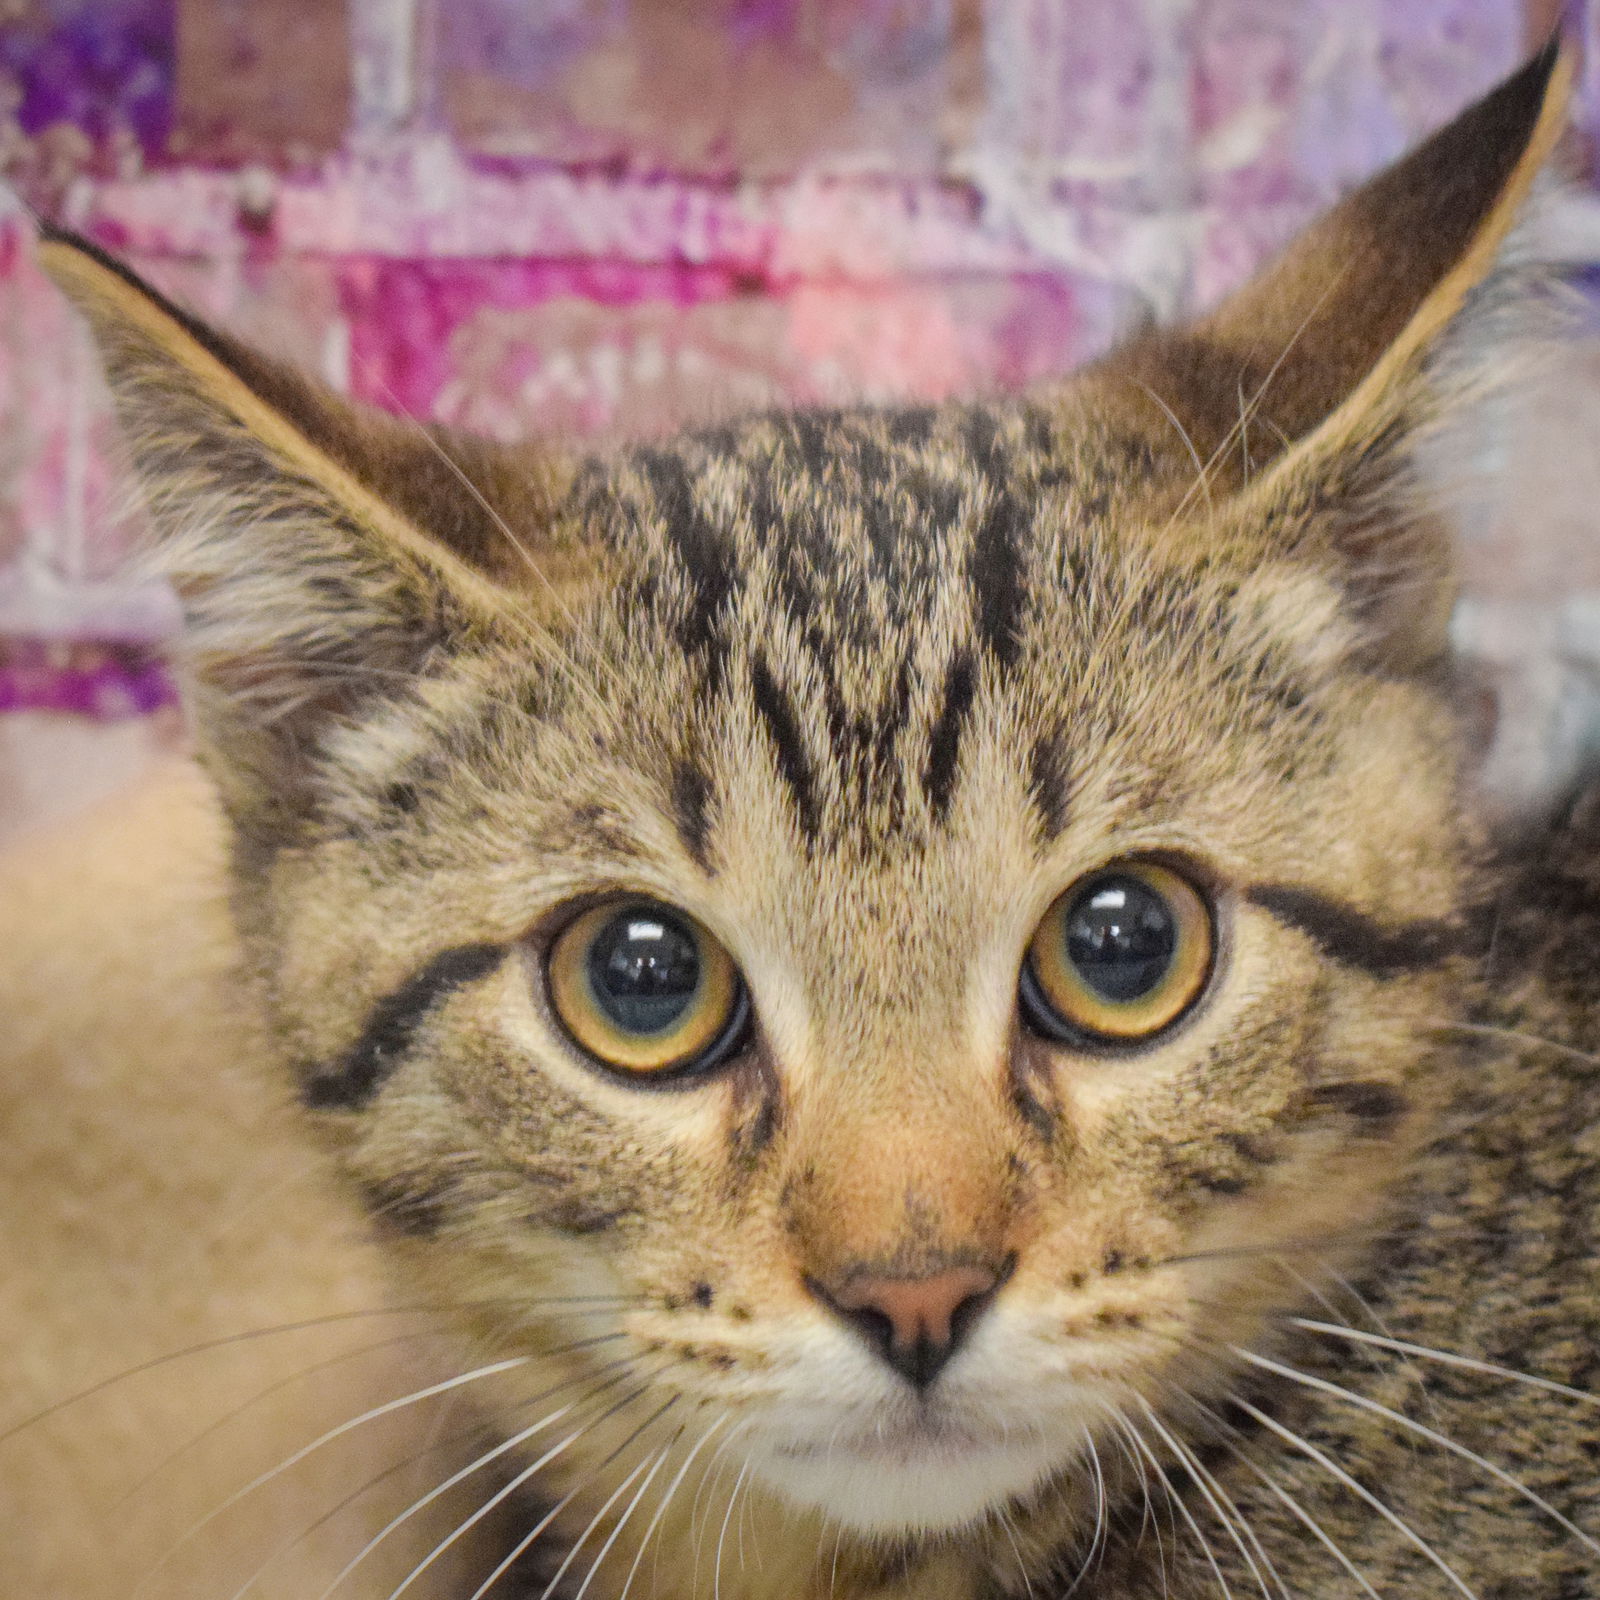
{"x":915,"y":1324}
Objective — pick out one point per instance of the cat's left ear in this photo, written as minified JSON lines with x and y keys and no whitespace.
{"x":326,"y":556}
{"x":1303,"y":408}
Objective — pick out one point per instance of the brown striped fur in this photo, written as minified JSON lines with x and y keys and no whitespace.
{"x":863,"y":691}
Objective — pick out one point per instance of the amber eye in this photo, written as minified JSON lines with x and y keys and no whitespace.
{"x":1120,"y":956}
{"x":646,"y":989}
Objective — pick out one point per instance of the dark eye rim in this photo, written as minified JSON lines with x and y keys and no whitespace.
{"x":1042,"y":1020}
{"x":732,"y":1042}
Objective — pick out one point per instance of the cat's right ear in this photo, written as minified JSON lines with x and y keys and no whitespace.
{"x":1303,"y":405}
{"x":324,"y":555}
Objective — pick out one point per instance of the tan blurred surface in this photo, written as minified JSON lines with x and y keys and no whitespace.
{"x":53,"y":766}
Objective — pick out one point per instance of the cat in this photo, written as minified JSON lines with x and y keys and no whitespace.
{"x":898,"y":1002}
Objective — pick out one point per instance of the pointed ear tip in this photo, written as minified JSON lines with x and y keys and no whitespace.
{"x":1567,"y":33}
{"x":75,"y":265}
{"x":1562,"y":54}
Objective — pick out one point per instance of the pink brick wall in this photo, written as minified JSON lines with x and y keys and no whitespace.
{"x":596,"y":216}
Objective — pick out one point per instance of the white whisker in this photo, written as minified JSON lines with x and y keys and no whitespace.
{"x":506,"y":1491}
{"x":1182,"y":1508}
{"x":1432,"y":1435}
{"x":1136,"y":1464}
{"x":666,"y":1500}
{"x":722,"y":1537}
{"x":1202,"y":473}
{"x":1214,"y":1496}
{"x":1301,"y":1514}
{"x":1096,"y":1549}
{"x":709,"y":1479}
{"x":616,"y":1531}
{"x":1488,"y":1030}
{"x":256,"y":1399}
{"x":387,"y":1408}
{"x":1016,"y":1550}
{"x":436,"y":1443}
{"x":1332,"y":1467}
{"x":1446,"y":1358}
{"x":276,"y":1330}
{"x":421,"y":1504}
{"x":1373,"y":1361}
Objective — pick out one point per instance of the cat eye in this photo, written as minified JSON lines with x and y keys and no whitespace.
{"x":1120,"y":956}
{"x":645,"y":989}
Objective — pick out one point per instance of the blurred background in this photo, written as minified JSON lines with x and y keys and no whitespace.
{"x":603,"y":217}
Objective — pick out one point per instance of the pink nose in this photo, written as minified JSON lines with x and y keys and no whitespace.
{"x":915,"y":1324}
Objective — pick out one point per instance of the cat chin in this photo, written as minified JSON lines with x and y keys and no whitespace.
{"x":901,"y":1486}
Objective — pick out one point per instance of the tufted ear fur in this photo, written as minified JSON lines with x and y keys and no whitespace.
{"x":323,"y":554}
{"x":1305,"y":402}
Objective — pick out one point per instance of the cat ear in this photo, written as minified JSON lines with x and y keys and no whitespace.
{"x":323,"y":554}
{"x":1306,"y":400}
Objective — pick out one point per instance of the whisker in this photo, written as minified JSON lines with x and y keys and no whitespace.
{"x":1398,"y":1523}
{"x":1097,"y":1545}
{"x":1096,"y":1549}
{"x":1202,"y":473}
{"x":1373,"y":1362}
{"x":386,"y":1409}
{"x":1210,"y":1490}
{"x":1007,"y":1527}
{"x":1245,"y":1252}
{"x":355,"y":1494}
{"x":432,"y":441}
{"x":1260,"y":395}
{"x":494,"y":1454}
{"x":1182,"y":1507}
{"x":504,"y":1493}
{"x":256,"y":1399}
{"x":1446,"y":1358}
{"x":1136,"y":1465}
{"x":616,"y":1532}
{"x":524,"y":1544}
{"x":1297,"y":1510}
{"x":540,"y":638}
{"x":747,"y":1511}
{"x":710,"y":1478}
{"x":1515,"y":1036}
{"x":1432,"y":1435}
{"x":722,"y":1537}
{"x":666,"y":1500}
{"x":475,"y":1465}
{"x":438,"y":1443}
{"x":332,"y":1318}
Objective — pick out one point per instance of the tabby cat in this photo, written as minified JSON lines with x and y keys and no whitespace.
{"x":905,"y":1003}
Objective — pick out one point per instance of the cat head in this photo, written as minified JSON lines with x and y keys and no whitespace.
{"x":892,"y":936}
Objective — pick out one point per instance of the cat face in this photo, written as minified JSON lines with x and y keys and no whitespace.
{"x":863,"y":698}
{"x":884,"y":940}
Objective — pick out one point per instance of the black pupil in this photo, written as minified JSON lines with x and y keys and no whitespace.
{"x":1121,"y":937}
{"x":644,"y":970}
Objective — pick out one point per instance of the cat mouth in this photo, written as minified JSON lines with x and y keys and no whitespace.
{"x":902,"y":1443}
{"x":902,"y":1474}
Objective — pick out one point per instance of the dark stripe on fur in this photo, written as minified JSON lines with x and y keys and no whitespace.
{"x":757,"y":1110}
{"x":783,"y":727}
{"x":944,"y":744}
{"x":691,"y":811}
{"x":995,"y":566}
{"x":1354,"y":939}
{"x":1378,"y":1106}
{"x":393,"y":1024}
{"x":1049,"y":786}
{"x":707,"y":563}
{"x":413,"y":1207}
